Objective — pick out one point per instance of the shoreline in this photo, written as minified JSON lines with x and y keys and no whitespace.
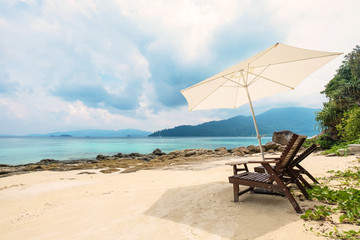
{"x":36,"y":149}
{"x":135,"y":161}
{"x":186,"y":201}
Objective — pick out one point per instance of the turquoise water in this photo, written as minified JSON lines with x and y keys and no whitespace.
{"x":21,"y":150}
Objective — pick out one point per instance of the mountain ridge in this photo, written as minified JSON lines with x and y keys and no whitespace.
{"x":296,"y":119}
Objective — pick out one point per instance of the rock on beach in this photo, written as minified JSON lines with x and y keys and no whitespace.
{"x":136,"y":161}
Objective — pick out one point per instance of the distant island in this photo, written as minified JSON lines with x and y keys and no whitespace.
{"x":96,"y":133}
{"x":296,"y":119}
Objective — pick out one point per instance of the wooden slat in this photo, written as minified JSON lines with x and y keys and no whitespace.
{"x":302,"y":156}
{"x":252,"y":176}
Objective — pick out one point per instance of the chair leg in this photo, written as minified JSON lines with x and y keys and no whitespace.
{"x":283,"y":187}
{"x":311,"y":177}
{"x":288,"y":194}
{"x":303,"y":170}
{"x":292,"y":200}
{"x":236,"y":192}
{"x":304,"y":182}
{"x":294,"y":178}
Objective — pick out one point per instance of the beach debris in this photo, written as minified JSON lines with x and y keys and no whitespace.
{"x":86,"y":172}
{"x":110,"y":170}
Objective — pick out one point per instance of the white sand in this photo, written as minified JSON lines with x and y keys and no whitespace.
{"x":184,"y":202}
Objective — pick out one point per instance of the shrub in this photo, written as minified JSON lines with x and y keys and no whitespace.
{"x":349,"y":128}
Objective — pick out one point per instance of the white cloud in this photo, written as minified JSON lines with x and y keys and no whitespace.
{"x":121,"y":64}
{"x":183,"y":28}
{"x":319,"y":25}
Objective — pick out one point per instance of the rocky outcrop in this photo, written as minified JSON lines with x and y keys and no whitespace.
{"x":221,"y":151}
{"x":136,"y":156}
{"x":282,"y":137}
{"x":135,"y":161}
{"x":353,"y":149}
{"x":240,"y":151}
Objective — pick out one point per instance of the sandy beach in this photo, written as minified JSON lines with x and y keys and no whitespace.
{"x":192,"y":201}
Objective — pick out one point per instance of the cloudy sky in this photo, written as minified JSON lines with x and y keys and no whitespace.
{"x":91,"y":64}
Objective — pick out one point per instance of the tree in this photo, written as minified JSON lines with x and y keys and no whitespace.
{"x":343,"y":92}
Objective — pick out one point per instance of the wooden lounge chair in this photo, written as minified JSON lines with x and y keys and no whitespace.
{"x":298,"y":171}
{"x":273,"y":179}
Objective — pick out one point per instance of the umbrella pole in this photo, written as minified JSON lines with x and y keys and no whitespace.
{"x":255,"y":123}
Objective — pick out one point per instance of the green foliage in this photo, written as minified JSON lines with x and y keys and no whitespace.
{"x":348,"y":174}
{"x":343,"y":92}
{"x":350,"y":235}
{"x":349,"y":128}
{"x":347,"y":199}
{"x":317,"y":214}
{"x":336,"y":147}
{"x":308,"y":142}
{"x":325,"y":142}
{"x":341,"y":145}
{"x":336,"y":234}
{"x":328,"y":117}
{"x":354,"y":61}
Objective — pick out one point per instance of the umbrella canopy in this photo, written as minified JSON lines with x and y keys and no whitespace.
{"x":277,"y":69}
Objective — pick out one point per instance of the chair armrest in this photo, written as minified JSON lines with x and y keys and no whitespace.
{"x":248,"y":161}
{"x":237,"y":163}
{"x":263,"y":161}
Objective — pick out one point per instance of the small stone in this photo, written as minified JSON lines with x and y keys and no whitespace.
{"x":221,"y":150}
{"x":86,"y":173}
{"x":119,"y":155}
{"x":48,"y":161}
{"x":158,"y":152}
{"x":271,"y":145}
{"x":331,"y":155}
{"x":100,"y":156}
{"x":190,"y":153}
{"x":341,"y":152}
{"x":271,"y":151}
{"x":110,"y":170}
{"x":134,"y":155}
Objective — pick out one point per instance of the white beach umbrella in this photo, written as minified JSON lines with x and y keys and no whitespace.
{"x":277,"y":69}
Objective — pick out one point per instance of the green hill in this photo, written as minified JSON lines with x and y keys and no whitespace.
{"x":295,"y":119}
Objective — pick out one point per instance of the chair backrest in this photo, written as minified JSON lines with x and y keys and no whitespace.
{"x":290,"y":151}
{"x":303,"y":155}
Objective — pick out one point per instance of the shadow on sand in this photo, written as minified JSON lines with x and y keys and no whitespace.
{"x":210,"y":208}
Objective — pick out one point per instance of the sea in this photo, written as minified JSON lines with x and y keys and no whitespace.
{"x":23,"y":150}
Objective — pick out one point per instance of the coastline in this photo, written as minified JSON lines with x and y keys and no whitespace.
{"x":187,"y":201}
{"x":24,"y":150}
{"x":135,"y":161}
